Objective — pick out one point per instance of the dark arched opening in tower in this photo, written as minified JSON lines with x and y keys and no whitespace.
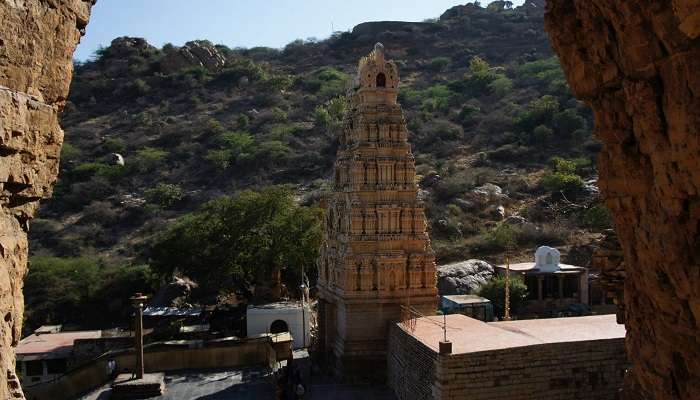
{"x":279,"y":326}
{"x":381,"y":80}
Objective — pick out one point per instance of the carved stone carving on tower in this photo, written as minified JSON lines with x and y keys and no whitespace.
{"x":376,"y":255}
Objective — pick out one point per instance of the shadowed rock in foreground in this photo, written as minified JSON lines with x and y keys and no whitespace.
{"x":636,"y":64}
{"x":37,"y":40}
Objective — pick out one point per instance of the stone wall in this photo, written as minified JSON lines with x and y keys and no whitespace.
{"x":157,"y":359}
{"x":556,"y":371}
{"x":37,"y":40}
{"x":411,"y":366}
{"x":636,"y":64}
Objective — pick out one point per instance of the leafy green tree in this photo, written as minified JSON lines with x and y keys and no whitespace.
{"x":539,"y":112}
{"x":567,"y":122}
{"x":495,"y":290}
{"x":438,"y":64}
{"x":480,"y":76}
{"x":81,"y":291}
{"x":240,"y":238}
{"x":164,"y":195}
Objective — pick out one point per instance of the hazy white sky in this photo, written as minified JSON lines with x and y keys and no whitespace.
{"x":246,"y":23}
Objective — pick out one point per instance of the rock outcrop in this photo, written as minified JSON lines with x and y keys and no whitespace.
{"x":636,"y":64}
{"x":197,"y":53}
{"x":463,"y":277}
{"x":37,"y":40}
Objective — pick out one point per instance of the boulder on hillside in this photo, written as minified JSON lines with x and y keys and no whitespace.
{"x":174,"y":293}
{"x":463,"y":277}
{"x":125,"y":46}
{"x":197,"y":53}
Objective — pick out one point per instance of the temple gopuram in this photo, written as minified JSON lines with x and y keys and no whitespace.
{"x":376,"y":261}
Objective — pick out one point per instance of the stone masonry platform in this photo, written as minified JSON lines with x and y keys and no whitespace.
{"x":552,"y":359}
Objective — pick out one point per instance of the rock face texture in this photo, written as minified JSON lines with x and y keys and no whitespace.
{"x":197,"y":53}
{"x":636,"y":64}
{"x":37,"y":40}
{"x":463,"y":277}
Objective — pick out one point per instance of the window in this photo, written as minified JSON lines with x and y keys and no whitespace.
{"x":381,"y":80}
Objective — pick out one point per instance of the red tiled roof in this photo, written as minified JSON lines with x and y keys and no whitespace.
{"x":53,"y":342}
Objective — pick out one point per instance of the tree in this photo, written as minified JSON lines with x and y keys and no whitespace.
{"x":164,"y":195}
{"x":495,"y":290}
{"x":240,"y":238}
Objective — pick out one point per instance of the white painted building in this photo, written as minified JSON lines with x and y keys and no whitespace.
{"x":287,"y":316}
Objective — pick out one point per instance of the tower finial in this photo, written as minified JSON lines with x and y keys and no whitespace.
{"x":379,"y":51}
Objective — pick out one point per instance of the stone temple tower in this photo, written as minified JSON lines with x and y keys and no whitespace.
{"x":376,"y":255}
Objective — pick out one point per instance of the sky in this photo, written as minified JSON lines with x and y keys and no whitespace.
{"x":244,"y":23}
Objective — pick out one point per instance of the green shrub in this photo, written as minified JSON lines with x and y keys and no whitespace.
{"x":322,"y":117}
{"x":326,"y":82}
{"x":243,"y":121}
{"x":278,"y":82}
{"x":114,"y":145}
{"x":542,"y":134}
{"x":480,"y":76}
{"x":433,"y":98}
{"x":570,"y":166}
{"x":567,"y":183}
{"x":238,"y":69}
{"x":544,"y":71}
{"x":148,"y":159}
{"x":597,"y":218}
{"x":495,"y":290}
{"x":69,"y":152}
{"x":164,"y":195}
{"x":501,"y":86}
{"x":87,"y":171}
{"x":539,"y":112}
{"x":221,"y":159}
{"x":502,"y":237}
{"x":567,"y":122}
{"x":438,"y":64}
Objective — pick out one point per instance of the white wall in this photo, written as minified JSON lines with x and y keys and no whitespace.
{"x":259,"y":320}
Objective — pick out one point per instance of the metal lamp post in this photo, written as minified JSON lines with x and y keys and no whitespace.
{"x":138,"y":301}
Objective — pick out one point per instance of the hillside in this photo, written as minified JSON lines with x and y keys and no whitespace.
{"x":496,"y":134}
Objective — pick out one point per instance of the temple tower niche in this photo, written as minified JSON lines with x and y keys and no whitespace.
{"x":376,"y":255}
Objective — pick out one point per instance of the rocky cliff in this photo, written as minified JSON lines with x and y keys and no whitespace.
{"x":636,"y":64}
{"x":37,"y":40}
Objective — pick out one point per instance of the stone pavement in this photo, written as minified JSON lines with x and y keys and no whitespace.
{"x":323,"y":387}
{"x":350,"y":392}
{"x":235,"y":384}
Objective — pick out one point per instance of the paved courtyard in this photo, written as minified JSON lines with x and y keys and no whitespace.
{"x":238,"y":384}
